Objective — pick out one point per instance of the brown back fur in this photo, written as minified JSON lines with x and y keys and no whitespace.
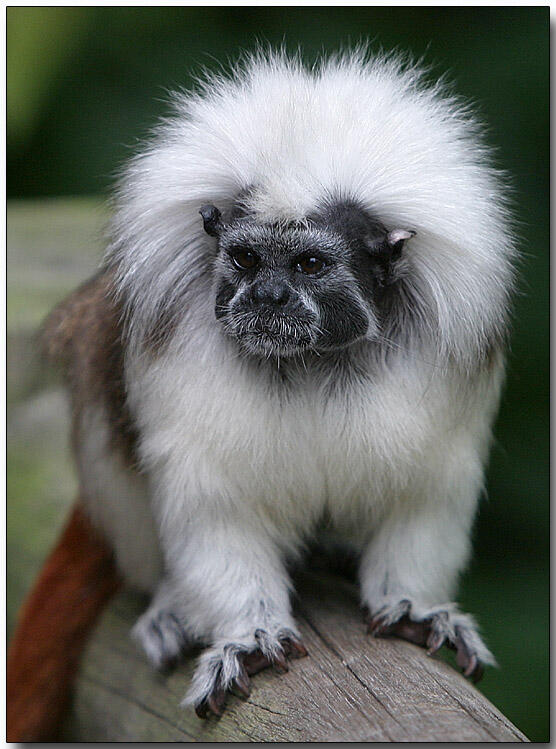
{"x":84,"y":335}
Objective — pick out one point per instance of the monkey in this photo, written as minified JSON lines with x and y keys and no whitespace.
{"x":298,"y":331}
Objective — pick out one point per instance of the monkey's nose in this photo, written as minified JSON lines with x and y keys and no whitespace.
{"x":271,"y":292}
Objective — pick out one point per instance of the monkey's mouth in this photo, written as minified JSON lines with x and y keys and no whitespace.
{"x":272,"y":335}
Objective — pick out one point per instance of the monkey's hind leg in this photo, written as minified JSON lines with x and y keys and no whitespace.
{"x":161,"y":631}
{"x":228,"y":588}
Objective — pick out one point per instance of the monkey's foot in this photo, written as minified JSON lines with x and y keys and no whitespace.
{"x":223,"y":668}
{"x":161,"y":635}
{"x":433,"y":629}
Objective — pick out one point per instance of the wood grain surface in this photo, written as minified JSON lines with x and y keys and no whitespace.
{"x":351,"y":687}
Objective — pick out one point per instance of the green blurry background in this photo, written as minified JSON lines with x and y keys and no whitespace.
{"x":86,"y":84}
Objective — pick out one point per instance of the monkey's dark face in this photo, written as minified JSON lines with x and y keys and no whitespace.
{"x":281,"y":290}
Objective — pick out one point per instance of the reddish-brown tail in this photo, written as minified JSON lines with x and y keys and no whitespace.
{"x":75,"y":583}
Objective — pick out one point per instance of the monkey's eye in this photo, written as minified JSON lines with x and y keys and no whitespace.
{"x":310,"y":265}
{"x":244,"y":259}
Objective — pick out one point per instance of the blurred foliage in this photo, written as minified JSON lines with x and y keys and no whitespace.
{"x":86,"y":83}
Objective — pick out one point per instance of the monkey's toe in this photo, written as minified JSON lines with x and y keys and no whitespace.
{"x":162,"y":637}
{"x":228,"y":668}
{"x":434,"y":630}
{"x":467,"y":656}
{"x":214,"y":701}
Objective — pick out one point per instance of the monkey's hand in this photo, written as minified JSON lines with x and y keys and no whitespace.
{"x":443,"y":625}
{"x":164,"y":636}
{"x":226,"y":667}
{"x":226,"y":586}
{"x":411,"y":564}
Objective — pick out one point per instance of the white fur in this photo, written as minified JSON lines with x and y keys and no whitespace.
{"x":239,"y":475}
{"x":117,"y":500}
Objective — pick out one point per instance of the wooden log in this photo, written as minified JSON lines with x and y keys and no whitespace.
{"x":351,"y":687}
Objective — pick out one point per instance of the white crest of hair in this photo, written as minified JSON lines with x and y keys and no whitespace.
{"x":366,"y":128}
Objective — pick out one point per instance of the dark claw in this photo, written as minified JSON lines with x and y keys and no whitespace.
{"x":416,"y":632}
{"x":472,"y":665}
{"x":279,"y":662}
{"x":255,"y":662}
{"x":294,"y":647}
{"x":373,"y":627}
{"x":242,"y":683}
{"x":216,"y":701}
{"x":213,"y":703}
{"x":423,"y":633}
{"x":376,"y":626}
{"x":250,"y":664}
{"x":467,"y":659}
{"x":201,"y":710}
{"x":469,"y":664}
{"x":435,"y":642}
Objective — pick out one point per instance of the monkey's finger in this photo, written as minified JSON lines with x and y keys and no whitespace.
{"x":293,"y":647}
{"x":386,"y":622}
{"x":377,"y":627}
{"x":216,"y":701}
{"x":204,"y":708}
{"x":271,"y":650}
{"x":280,"y":662}
{"x":435,"y":641}
{"x":468,"y":660}
{"x":242,"y":683}
{"x":255,"y":662}
{"x":477,"y":673}
{"x":416,"y":632}
{"x":201,"y":708}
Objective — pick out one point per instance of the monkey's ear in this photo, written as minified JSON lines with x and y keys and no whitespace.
{"x":211,"y":219}
{"x":392,"y":244}
{"x":396,"y":239}
{"x":398,"y":236}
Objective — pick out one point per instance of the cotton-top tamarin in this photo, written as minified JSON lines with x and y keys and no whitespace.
{"x":298,"y":326}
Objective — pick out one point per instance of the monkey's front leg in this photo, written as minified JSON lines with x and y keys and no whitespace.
{"x":408,"y":574}
{"x":231,"y":591}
